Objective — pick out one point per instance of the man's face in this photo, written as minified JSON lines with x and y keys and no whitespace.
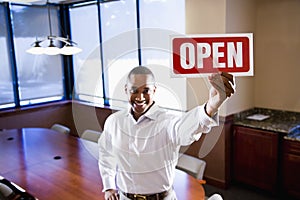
{"x":140,"y":90}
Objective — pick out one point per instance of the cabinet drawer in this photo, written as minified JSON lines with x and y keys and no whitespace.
{"x":291,"y":146}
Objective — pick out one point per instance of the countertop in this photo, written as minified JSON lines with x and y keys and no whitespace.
{"x":277,"y":121}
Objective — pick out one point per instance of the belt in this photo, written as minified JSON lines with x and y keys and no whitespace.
{"x":157,"y":196}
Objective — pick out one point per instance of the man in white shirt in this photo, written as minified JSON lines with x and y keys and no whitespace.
{"x":139,"y":147}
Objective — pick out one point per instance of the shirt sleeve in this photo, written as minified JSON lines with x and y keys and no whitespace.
{"x":106,"y":162}
{"x":192,"y":124}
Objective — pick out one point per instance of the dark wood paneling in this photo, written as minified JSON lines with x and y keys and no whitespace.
{"x":73,"y":114}
{"x":37,"y":116}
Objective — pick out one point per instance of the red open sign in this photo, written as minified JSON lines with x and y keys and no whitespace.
{"x":194,"y":55}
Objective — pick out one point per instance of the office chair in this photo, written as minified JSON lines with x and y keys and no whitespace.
{"x":214,"y":197}
{"x":91,"y":135}
{"x":191,"y":165}
{"x":10,"y":190}
{"x":60,"y":128}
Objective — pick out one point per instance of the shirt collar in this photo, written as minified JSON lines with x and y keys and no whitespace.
{"x":150,"y":114}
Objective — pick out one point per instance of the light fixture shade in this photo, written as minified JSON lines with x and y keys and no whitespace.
{"x":70,"y":50}
{"x":51,"y":49}
{"x":36,"y":49}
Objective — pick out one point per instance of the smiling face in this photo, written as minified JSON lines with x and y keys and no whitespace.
{"x":140,"y":89}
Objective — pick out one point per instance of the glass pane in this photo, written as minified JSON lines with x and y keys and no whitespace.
{"x":87,"y":64}
{"x":159,"y":20}
{"x":6,"y":86}
{"x":120,"y":46}
{"x":40,"y":76}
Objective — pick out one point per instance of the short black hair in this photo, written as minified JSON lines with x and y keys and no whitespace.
{"x":141,"y":70}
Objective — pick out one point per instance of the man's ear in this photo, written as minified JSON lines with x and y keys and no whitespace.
{"x":154,"y":90}
{"x":125,"y":88}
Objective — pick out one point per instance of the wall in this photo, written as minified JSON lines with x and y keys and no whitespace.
{"x":206,"y":17}
{"x":240,"y":18}
{"x":220,"y":16}
{"x":277,"y":51}
{"x":202,"y":16}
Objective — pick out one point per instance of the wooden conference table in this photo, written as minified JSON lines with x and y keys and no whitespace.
{"x":51,"y":165}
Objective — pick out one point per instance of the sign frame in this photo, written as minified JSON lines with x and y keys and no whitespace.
{"x":250,"y":72}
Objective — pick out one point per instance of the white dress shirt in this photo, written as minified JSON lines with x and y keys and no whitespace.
{"x":140,"y":156}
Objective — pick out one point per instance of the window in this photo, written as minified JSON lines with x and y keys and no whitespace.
{"x":40,"y":76}
{"x":115,"y":37}
{"x":6,"y":86}
{"x":159,"y":19}
{"x":87,"y":64}
{"x":120,"y":47}
{"x":119,"y":50}
{"x":104,"y":67}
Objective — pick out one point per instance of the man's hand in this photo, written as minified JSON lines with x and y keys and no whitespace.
{"x":111,"y":194}
{"x":222,"y":87}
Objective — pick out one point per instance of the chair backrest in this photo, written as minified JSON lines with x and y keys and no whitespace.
{"x":191,"y":165}
{"x":91,"y":135}
{"x":60,"y":128}
{"x":10,"y":190}
{"x":215,"y":197}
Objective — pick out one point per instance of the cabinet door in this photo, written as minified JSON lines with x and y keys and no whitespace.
{"x":255,"y":157}
{"x":290,"y":168}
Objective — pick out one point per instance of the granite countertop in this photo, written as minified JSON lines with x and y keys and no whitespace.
{"x":277,"y":121}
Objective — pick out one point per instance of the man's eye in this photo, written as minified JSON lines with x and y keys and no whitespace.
{"x":146,"y":91}
{"x":133,"y":91}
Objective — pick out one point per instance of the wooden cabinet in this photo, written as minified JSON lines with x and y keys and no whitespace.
{"x":255,"y":157}
{"x":291,"y":167}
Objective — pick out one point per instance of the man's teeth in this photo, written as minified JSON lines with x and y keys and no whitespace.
{"x":139,"y":103}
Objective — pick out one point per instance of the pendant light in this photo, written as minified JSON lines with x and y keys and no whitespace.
{"x":69,"y":47}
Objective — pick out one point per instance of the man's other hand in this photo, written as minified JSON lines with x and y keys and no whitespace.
{"x":111,"y":195}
